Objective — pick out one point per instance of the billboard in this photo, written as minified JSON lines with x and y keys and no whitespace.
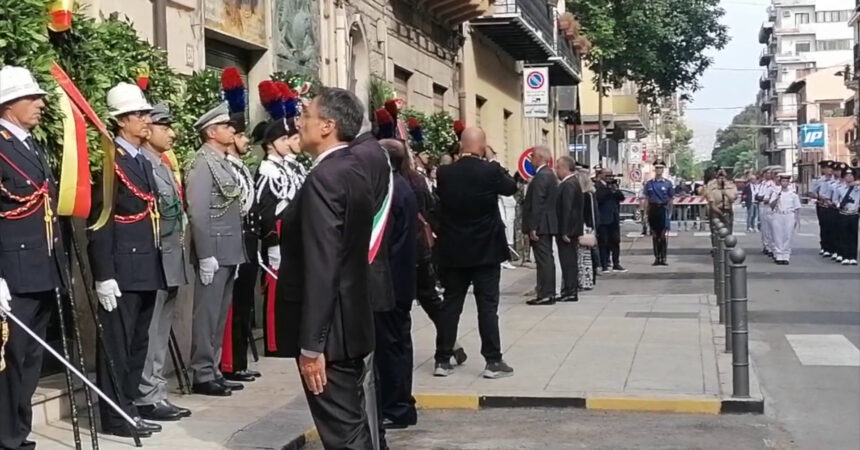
{"x":813,"y":136}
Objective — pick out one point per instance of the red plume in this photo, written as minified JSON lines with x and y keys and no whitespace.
{"x":285,"y":91}
{"x":383,"y":117}
{"x":392,"y":107}
{"x":413,"y":123}
{"x":459,"y":126}
{"x":230,"y":79}
{"x":268,"y":92}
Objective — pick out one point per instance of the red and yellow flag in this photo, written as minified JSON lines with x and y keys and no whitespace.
{"x":61,"y":15}
{"x":75,"y":189}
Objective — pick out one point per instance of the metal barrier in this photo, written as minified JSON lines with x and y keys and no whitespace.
{"x":730,"y":288}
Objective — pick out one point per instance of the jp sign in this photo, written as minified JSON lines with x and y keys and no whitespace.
{"x":536,"y":91}
{"x":813,"y":136}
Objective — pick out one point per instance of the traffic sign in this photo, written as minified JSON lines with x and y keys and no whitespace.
{"x":536,"y":87}
{"x":635,"y":175}
{"x":525,"y":166}
{"x":536,"y":111}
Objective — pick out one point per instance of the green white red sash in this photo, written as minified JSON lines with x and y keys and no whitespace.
{"x":380,"y":220}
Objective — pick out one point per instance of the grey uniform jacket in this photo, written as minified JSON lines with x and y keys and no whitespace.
{"x":214,"y":210}
{"x":172,"y":223}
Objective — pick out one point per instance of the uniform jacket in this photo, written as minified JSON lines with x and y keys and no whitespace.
{"x":214,"y":209}
{"x":322,"y":299}
{"x":471,"y":232}
{"x":127,"y":252}
{"x":402,"y":256}
{"x":608,"y":203}
{"x":277,"y":185}
{"x":173,"y":221}
{"x":25,"y":263}
{"x":570,"y":207}
{"x":722,"y":198}
{"x":540,"y":214}
{"x":374,"y":161}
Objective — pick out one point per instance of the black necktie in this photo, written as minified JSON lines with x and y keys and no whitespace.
{"x":139,"y":159}
{"x":32,"y":144}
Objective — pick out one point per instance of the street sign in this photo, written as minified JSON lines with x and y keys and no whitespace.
{"x":525,"y":166}
{"x":635,"y":175}
{"x":576,"y":148}
{"x":536,"y":111}
{"x":536,"y":86}
{"x":813,"y":136}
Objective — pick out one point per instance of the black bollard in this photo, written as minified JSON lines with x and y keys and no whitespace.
{"x":721,"y":271}
{"x":730,"y":242}
{"x":740,"y":330}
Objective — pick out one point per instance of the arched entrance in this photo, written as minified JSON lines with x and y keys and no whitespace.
{"x":359,"y":64}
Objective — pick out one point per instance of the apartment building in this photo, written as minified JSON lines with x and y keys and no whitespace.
{"x":799,"y":37}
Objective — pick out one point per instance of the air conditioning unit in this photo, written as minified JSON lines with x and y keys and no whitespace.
{"x":786,"y":13}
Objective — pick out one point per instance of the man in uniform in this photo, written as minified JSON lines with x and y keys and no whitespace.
{"x":658,"y":193}
{"x":768,"y":188}
{"x":214,"y":211}
{"x":31,"y":259}
{"x":152,"y":400}
{"x":847,"y":200}
{"x":125,"y":256}
{"x":721,"y":198}
{"x":840,"y":186}
{"x":820,"y":192}
{"x":785,"y":219}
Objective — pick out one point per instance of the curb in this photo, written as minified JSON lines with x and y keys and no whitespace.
{"x":299,"y":442}
{"x":685,"y":405}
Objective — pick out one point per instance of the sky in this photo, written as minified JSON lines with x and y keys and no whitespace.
{"x":733,"y":88}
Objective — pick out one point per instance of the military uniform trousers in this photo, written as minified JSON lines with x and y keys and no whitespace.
{"x":23,"y":366}
{"x":767,"y":227}
{"x":153,"y":385}
{"x":830,"y":229}
{"x":211,"y":304}
{"x":782,"y":229}
{"x":126,"y":341}
{"x":240,"y":317}
{"x":848,"y":236}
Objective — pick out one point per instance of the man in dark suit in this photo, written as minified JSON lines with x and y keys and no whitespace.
{"x":609,"y":229}
{"x":125,"y":257}
{"x":32,"y":264}
{"x":470,"y":247}
{"x":540,"y":223}
{"x":570,"y":227}
{"x":323,"y":312}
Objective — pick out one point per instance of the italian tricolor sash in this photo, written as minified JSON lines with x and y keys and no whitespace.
{"x":380,"y":220}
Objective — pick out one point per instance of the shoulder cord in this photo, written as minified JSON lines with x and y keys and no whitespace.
{"x":230,"y":193}
{"x":41,"y":196}
{"x":243,"y":176}
{"x":151,"y":207}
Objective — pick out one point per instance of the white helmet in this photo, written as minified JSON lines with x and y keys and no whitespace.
{"x":125,"y":98}
{"x":17,"y":82}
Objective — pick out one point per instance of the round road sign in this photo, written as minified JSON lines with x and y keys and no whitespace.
{"x":536,"y":80}
{"x":636,"y":175}
{"x":525,"y":166}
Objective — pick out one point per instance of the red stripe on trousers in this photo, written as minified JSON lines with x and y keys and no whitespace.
{"x":227,"y":344}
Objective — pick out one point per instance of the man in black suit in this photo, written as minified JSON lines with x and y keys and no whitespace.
{"x":609,"y":229}
{"x":540,"y":223}
{"x":323,"y":311}
{"x":125,"y":257}
{"x":32,"y":263}
{"x":570,"y":227}
{"x":470,"y":247}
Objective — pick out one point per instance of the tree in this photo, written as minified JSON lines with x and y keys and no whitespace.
{"x":685,"y":161}
{"x":733,"y":135}
{"x":658,"y":44}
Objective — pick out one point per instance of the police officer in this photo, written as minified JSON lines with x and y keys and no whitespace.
{"x":31,"y":252}
{"x":214,"y":211}
{"x":823,"y":192}
{"x":237,"y":331}
{"x":817,"y":193}
{"x":125,"y":258}
{"x":721,"y":198}
{"x":848,"y":197}
{"x":152,"y":399}
{"x":658,"y":193}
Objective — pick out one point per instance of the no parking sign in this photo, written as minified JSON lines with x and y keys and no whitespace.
{"x":525,"y":166}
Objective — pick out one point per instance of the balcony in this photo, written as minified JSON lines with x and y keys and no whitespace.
{"x":522,"y":28}
{"x":764,"y":82}
{"x":765,"y":32}
{"x":788,"y":114}
{"x":455,"y":12}
{"x":791,"y":57}
{"x":629,"y":113}
{"x":794,"y":29}
{"x":566,"y":68}
{"x":766,"y":57}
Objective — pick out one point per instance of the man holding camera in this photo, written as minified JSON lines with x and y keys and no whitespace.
{"x":609,"y":228}
{"x":721,"y":197}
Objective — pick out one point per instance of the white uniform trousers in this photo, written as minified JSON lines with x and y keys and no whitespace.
{"x":767,"y":227}
{"x":782,"y":230}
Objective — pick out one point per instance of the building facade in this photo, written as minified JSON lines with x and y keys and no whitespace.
{"x":800,"y":37}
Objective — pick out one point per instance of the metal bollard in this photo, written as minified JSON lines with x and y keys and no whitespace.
{"x":730,"y":243}
{"x":721,"y":271}
{"x":740,"y":330}
{"x":714,"y":227}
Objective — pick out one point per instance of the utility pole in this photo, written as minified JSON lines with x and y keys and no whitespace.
{"x":159,"y":23}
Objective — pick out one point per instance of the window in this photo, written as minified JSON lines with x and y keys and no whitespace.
{"x":803,"y":72}
{"x":801,"y":18}
{"x":401,"y":83}
{"x":479,"y":103}
{"x":833,"y":44}
{"x":802,"y":47}
{"x":545,"y":137}
{"x":439,"y":97}
{"x":833,"y":16}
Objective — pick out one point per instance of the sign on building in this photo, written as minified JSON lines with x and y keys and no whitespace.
{"x":813,"y":136}
{"x":536,"y":92}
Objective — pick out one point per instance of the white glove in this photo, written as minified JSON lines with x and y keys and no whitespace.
{"x":274,"y":253}
{"x":5,"y":298}
{"x":108,"y":291}
{"x":208,"y":267}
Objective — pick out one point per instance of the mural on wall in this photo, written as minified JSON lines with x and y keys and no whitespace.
{"x":297,"y":23}
{"x":243,"y":19}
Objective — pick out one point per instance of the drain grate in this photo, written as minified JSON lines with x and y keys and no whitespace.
{"x":661,"y":315}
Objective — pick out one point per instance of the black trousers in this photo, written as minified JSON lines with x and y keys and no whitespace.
{"x":830,"y":227}
{"x":23,"y":367}
{"x":126,"y":339}
{"x":569,"y":259}
{"x":241,"y":321}
{"x":545,"y":266}
{"x":848,"y":236}
{"x":394,"y":357}
{"x":338,"y":412}
{"x":609,"y":243}
{"x":819,"y":213}
{"x":456,"y":282}
{"x":425,"y":291}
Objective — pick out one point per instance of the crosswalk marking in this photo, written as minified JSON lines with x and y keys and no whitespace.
{"x":824,"y":350}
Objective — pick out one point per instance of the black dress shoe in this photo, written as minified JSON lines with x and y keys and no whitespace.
{"x":242,"y":376}
{"x":159,"y":412}
{"x":569,"y":298}
{"x":127,"y":431}
{"x":230,"y":385}
{"x":389,"y":424}
{"x":542,"y":301}
{"x":254,"y":373}
{"x":147,"y":427}
{"x":183,"y":412}
{"x":212,"y":388}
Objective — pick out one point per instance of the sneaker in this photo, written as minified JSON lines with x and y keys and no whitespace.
{"x":508,"y":265}
{"x":498,"y":369}
{"x":846,"y":262}
{"x":443,"y":369}
{"x":821,"y":252}
{"x":606,"y":270}
{"x":839,"y":259}
{"x":853,"y":262}
{"x":826,"y":254}
{"x":460,"y":356}
{"x":618,"y":268}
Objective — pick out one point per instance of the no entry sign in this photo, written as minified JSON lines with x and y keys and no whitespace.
{"x":525,"y":166}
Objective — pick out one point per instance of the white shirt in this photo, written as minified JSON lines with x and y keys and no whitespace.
{"x":567,"y":177}
{"x":787,"y":201}
{"x":328,"y":152}
{"x":16,"y":131}
{"x":131,"y":149}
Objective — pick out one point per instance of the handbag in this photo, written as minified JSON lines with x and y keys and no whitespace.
{"x":426,"y":232}
{"x":589,"y":239}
